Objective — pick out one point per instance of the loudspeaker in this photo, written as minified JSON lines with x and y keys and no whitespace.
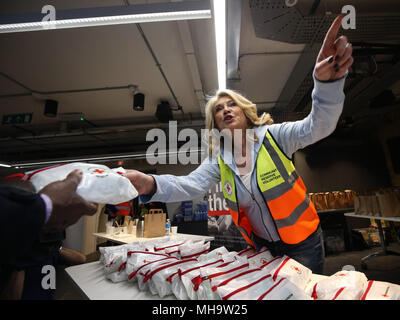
{"x":50,"y":108}
{"x":138,"y":102}
{"x":164,"y":112}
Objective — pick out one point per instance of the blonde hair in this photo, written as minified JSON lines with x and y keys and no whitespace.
{"x":249,"y":109}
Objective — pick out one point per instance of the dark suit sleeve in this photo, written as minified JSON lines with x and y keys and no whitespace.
{"x":22,"y":216}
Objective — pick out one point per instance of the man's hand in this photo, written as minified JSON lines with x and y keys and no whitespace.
{"x":144,"y":183}
{"x":334,"y":58}
{"x":68,"y":206}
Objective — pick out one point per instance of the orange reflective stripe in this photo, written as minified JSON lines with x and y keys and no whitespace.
{"x":303,"y":228}
{"x":284,"y":205}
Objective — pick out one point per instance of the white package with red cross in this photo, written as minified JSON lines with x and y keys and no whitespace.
{"x":145,"y":269}
{"x":343,"y":285}
{"x":212,"y":276}
{"x":193,"y":249}
{"x":138,"y":259}
{"x":380,"y":290}
{"x":160,"y":277}
{"x":257,"y":259}
{"x":99,"y":183}
{"x":191,"y":279}
{"x":256,"y":284}
{"x":180,"y":279}
{"x":289,"y":268}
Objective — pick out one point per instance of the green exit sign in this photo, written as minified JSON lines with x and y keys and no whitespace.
{"x":20,"y":118}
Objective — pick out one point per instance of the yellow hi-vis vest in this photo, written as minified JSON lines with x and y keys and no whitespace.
{"x":284,"y":193}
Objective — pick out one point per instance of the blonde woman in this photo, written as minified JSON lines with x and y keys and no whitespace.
{"x":267,"y":199}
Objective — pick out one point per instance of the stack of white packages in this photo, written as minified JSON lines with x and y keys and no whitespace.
{"x":188,"y":270}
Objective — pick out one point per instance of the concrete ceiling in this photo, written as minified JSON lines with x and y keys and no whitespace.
{"x":173,"y":61}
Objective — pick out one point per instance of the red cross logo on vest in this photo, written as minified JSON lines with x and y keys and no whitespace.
{"x":228,"y":188}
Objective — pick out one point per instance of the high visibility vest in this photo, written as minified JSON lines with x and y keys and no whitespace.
{"x":124,"y":208}
{"x":284,"y":193}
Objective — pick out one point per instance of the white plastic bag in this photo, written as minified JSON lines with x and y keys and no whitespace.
{"x":99,"y":183}
{"x":212,"y":276}
{"x":114,"y":259}
{"x":379,"y":290}
{"x":247,"y":252}
{"x":245,"y":286}
{"x":259,"y":258}
{"x":343,"y":285}
{"x":191,"y":278}
{"x":160,"y":278}
{"x":216,"y":253}
{"x":315,"y":278}
{"x":193,"y":250}
{"x":284,"y":289}
{"x":293,"y":271}
{"x":145,"y":269}
{"x":172,"y":247}
{"x":139,"y":259}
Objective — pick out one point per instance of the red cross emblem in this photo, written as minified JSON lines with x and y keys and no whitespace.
{"x":228,"y":188}
{"x":98,"y":171}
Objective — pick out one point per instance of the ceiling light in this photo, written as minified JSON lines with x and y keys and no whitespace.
{"x":88,"y":17}
{"x":138,"y":102}
{"x":220,"y":40}
{"x":5,"y":165}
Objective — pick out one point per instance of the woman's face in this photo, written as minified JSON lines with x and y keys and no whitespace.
{"x":228,"y":115}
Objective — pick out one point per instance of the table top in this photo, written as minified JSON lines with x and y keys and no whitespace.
{"x":352,"y":214}
{"x":129,"y":238}
{"x":92,"y":282}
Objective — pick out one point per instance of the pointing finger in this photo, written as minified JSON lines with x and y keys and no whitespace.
{"x":334,"y":29}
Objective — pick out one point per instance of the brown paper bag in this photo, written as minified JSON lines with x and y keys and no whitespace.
{"x":389,"y":202}
{"x":154,"y":224}
{"x":349,"y":195}
{"x":360,"y":204}
{"x":319,"y":201}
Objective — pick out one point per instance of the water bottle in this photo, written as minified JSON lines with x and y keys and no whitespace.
{"x":168,"y":227}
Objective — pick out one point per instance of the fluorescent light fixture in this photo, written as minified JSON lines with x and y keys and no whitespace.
{"x":100,"y":158}
{"x":89,"y":17}
{"x":5,"y":165}
{"x":220,"y":40}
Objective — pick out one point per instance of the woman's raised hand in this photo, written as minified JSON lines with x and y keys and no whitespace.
{"x":144,"y":183}
{"x":334,"y":58}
